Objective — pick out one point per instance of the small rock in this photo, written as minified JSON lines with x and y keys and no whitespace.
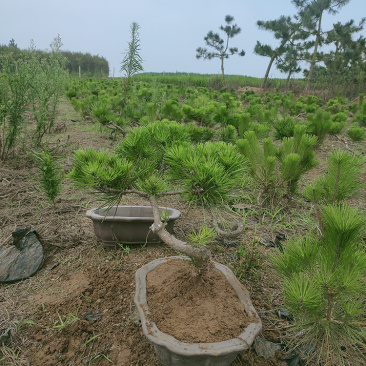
{"x":241,"y":207}
{"x":265,"y":348}
{"x":294,"y":361}
{"x":270,"y":243}
{"x":93,"y":316}
{"x":4,"y":337}
{"x":291,"y":358}
{"x":135,"y":317}
{"x":52,"y":266}
{"x":285,"y":314}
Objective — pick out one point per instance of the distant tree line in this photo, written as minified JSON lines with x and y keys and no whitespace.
{"x":90,"y":65}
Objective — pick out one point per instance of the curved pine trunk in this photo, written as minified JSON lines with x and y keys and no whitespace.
{"x":268,"y":70}
{"x":202,"y":255}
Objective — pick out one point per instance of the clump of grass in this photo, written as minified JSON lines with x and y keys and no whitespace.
{"x":248,"y":260}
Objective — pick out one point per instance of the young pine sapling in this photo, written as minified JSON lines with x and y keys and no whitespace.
{"x":279,"y":168}
{"x":341,"y":181}
{"x":324,"y":288}
{"x":50,"y":174}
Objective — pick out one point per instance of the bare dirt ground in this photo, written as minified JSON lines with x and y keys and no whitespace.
{"x":78,"y":308}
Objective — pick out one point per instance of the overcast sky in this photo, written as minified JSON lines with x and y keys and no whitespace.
{"x":170,"y":30}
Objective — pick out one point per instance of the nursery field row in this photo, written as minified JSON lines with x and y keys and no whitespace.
{"x":269,"y":184}
{"x":231,"y":111}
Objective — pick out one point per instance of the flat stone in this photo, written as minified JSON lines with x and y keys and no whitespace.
{"x":135,"y":317}
{"x":266,"y":348}
{"x":93,"y":315}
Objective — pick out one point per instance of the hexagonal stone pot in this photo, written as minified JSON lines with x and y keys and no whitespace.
{"x":128,"y":224}
{"x":173,"y":352}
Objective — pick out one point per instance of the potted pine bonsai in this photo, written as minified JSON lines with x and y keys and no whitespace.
{"x":157,"y":161}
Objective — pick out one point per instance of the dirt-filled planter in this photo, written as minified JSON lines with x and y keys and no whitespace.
{"x":128,"y":224}
{"x":173,"y":352}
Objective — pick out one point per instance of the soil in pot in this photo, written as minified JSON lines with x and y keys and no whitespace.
{"x":194,"y":308}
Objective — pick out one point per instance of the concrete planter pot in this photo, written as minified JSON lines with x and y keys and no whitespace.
{"x":172,"y":352}
{"x":128,"y":224}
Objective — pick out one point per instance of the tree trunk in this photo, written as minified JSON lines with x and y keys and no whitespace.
{"x":334,"y":67}
{"x":288,"y":80}
{"x":268,"y":69}
{"x":201,"y":254}
{"x":222,"y":68}
{"x":312,"y":65}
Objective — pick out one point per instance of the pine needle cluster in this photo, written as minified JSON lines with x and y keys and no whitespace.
{"x":276,"y":168}
{"x":101,"y":171}
{"x":154,"y":158}
{"x":341,"y":181}
{"x":324,"y":288}
{"x":206,"y":172}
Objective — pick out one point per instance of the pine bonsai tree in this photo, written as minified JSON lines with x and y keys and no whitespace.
{"x":132,"y":62}
{"x":323,"y":283}
{"x":345,"y":52}
{"x":151,"y":161}
{"x":50,"y":173}
{"x":289,"y":61}
{"x":296,"y":156}
{"x":356,"y":133}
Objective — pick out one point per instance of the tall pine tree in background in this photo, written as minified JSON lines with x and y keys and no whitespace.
{"x":285,"y":30}
{"x":344,"y":62}
{"x":288,"y":62}
{"x":221,"y":46}
{"x":311,"y":14}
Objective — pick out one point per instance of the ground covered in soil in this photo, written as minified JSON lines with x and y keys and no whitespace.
{"x":204,"y":308}
{"x":78,"y":308}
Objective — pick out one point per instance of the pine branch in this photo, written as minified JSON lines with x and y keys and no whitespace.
{"x":229,"y":234}
{"x":346,"y":144}
{"x":124,"y":133}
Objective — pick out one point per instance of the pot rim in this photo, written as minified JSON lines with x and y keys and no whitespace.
{"x":157,"y":337}
{"x":91,"y":214}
